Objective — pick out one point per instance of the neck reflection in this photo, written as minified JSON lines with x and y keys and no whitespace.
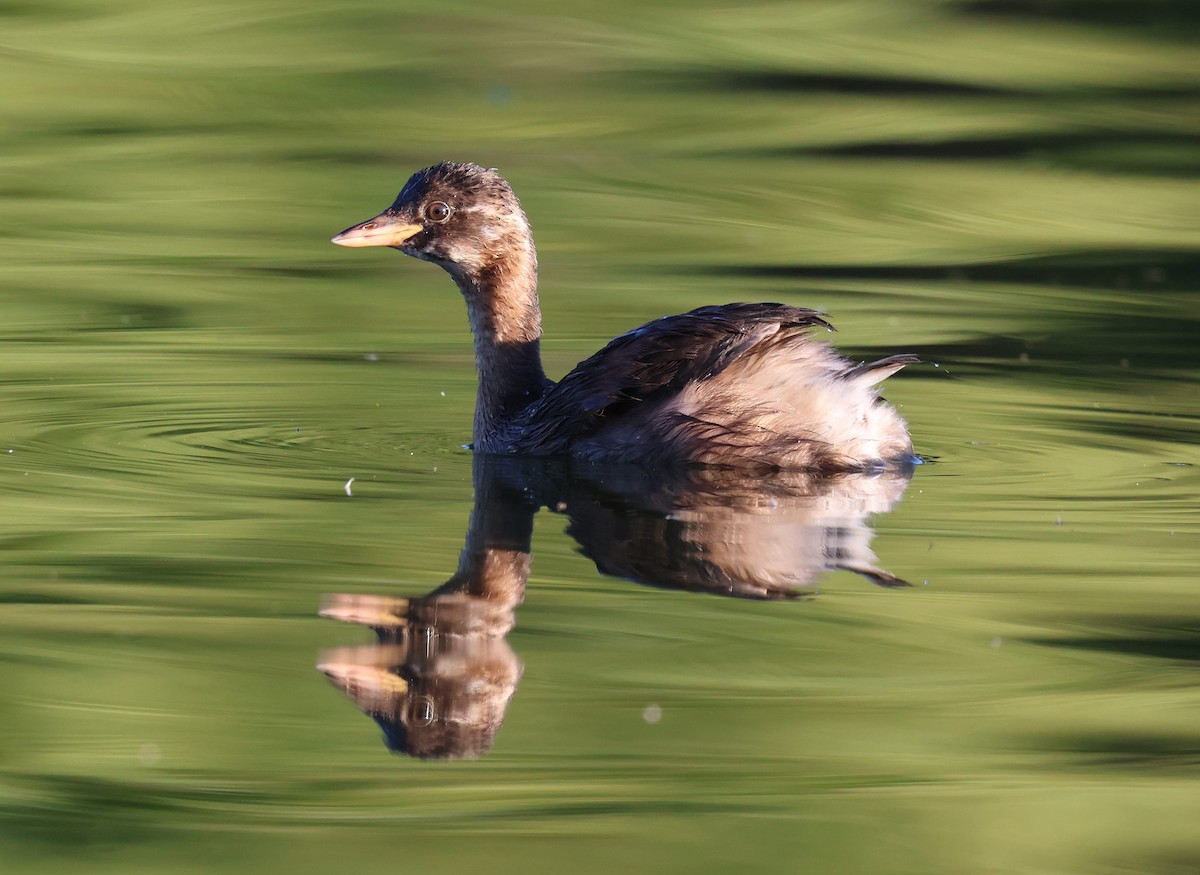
{"x":441,"y":675}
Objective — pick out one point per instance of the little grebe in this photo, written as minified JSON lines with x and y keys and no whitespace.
{"x":737,"y":385}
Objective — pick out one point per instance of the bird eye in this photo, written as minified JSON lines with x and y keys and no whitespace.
{"x":438,"y":212}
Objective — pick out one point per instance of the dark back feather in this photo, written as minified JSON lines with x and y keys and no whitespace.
{"x":651,"y":363}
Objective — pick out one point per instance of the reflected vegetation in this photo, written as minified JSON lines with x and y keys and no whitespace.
{"x":440,"y":678}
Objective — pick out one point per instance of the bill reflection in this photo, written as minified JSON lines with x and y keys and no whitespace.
{"x":441,"y":675}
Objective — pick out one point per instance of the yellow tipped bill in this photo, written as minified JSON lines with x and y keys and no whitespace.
{"x":383,"y":230}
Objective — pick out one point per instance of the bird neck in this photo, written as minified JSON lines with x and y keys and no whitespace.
{"x":506,"y":321}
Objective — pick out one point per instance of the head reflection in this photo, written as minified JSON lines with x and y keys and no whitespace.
{"x":441,"y":675}
{"x":439,"y":680}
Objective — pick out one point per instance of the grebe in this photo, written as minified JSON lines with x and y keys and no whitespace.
{"x":739,"y":385}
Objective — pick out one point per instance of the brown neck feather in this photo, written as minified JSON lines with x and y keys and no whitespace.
{"x":502,"y":305}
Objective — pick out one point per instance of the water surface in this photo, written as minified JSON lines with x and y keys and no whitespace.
{"x":192,"y":375}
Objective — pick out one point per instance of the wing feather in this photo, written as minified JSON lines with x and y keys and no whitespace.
{"x":655,"y":361}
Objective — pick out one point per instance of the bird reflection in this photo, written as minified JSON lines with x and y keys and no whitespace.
{"x":440,"y":678}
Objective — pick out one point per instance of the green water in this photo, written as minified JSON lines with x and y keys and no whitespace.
{"x":191,"y":374}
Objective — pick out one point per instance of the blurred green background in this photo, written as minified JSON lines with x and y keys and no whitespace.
{"x":191,"y":373}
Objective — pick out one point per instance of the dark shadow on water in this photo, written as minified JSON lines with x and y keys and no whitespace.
{"x":99,"y":812}
{"x":1160,"y":153}
{"x":1168,"y":638}
{"x":1184,"y":646}
{"x":1101,"y":347}
{"x":1124,"y":750}
{"x":1077,"y":126}
{"x":1185,"y":861}
{"x":1105,"y":424}
{"x":1160,"y":270}
{"x":1098,"y":337}
{"x":798,"y":82}
{"x":802,"y":82}
{"x":1176,"y":19}
{"x":441,"y":675}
